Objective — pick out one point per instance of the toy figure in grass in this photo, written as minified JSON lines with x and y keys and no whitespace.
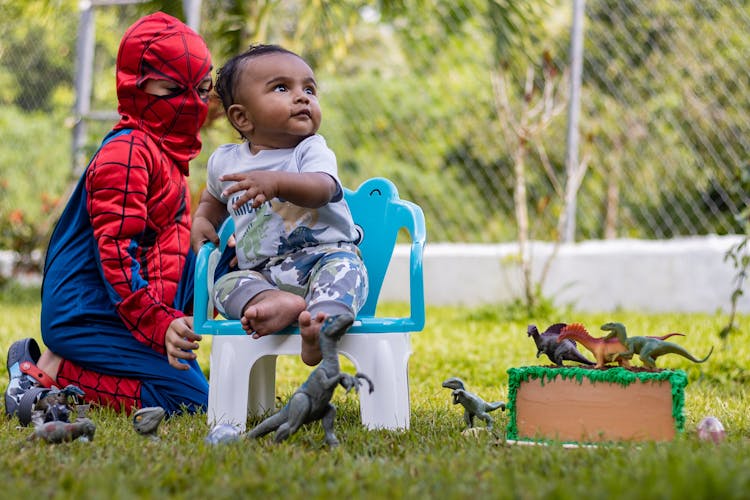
{"x":57,"y":405}
{"x":146,"y":421}
{"x":51,"y":416}
{"x":56,"y":432}
{"x":312,"y":401}
{"x":474,"y":406}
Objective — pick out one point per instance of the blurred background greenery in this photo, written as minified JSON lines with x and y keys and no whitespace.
{"x":453,"y":100}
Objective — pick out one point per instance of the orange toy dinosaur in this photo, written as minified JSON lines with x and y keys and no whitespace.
{"x":604,"y":350}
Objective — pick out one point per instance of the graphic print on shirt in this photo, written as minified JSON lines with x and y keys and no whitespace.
{"x":289,"y":222}
{"x":298,"y":224}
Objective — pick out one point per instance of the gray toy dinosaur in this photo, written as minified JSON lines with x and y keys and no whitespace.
{"x":312,"y":400}
{"x":557,"y":352}
{"x":474,"y":406}
{"x":146,"y":421}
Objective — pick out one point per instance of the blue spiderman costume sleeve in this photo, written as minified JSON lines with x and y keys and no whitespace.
{"x":119,"y":248}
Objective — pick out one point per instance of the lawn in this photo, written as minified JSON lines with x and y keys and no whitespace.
{"x":431,"y":460}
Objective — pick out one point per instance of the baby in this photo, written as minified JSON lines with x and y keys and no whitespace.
{"x":295,"y":238}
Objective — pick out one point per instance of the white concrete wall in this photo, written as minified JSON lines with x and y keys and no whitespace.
{"x":7,"y":259}
{"x":680,"y":275}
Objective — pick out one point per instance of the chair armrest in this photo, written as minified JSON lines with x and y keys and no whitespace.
{"x":200,"y":295}
{"x":379,"y":324}
{"x":411,"y":217}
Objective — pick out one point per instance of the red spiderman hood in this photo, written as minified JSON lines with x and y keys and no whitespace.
{"x":160,"y":46}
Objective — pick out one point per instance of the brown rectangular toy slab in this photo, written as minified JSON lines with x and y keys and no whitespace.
{"x":587,"y":405}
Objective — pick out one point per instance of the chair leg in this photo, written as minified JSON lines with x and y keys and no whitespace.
{"x":244,"y":378}
{"x":232,"y":389}
{"x":262,"y":395}
{"x":384,"y":358}
{"x":229,"y":377}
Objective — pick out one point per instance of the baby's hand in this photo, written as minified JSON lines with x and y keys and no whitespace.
{"x":258,"y":187}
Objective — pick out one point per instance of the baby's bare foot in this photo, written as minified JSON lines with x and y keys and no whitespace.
{"x":309,"y":329}
{"x":271,"y":311}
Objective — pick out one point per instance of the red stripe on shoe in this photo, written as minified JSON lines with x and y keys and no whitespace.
{"x":39,"y":375}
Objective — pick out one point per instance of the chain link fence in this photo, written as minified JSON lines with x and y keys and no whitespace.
{"x":669,"y":80}
{"x":426,"y":98}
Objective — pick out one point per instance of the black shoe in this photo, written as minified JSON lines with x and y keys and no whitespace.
{"x":23,"y":390}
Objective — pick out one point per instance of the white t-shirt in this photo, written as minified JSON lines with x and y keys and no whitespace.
{"x":279,"y":227}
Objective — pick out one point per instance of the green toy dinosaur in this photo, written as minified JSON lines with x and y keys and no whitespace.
{"x":474,"y":406}
{"x":647,"y":348}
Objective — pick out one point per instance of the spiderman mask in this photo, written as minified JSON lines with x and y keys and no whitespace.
{"x":161,"y":47}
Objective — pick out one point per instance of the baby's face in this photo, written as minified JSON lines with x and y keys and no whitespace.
{"x":278,"y":98}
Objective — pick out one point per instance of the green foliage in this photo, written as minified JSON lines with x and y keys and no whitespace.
{"x":677,"y":134}
{"x":406,"y":94}
{"x":389,"y":108}
{"x":519,"y":310}
{"x":430,"y":460}
{"x":31,"y":185}
{"x":739,"y":255}
{"x":35,"y":52}
{"x":12,"y":293}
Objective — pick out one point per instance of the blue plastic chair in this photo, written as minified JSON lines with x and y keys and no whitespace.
{"x":243,"y":369}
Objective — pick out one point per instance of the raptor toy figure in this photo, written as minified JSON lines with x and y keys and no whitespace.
{"x":474,"y":406}
{"x":312,"y":401}
{"x":146,"y":421}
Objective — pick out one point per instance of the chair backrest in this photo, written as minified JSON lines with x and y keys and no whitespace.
{"x":374,"y":207}
{"x":379,"y":215}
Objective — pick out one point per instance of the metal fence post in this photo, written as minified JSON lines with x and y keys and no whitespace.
{"x":192,"y":9}
{"x":83,"y":78}
{"x":574,"y":112}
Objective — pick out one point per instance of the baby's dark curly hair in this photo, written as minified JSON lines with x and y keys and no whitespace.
{"x":227,"y":75}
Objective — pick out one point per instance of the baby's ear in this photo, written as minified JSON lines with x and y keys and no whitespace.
{"x":240,"y":119}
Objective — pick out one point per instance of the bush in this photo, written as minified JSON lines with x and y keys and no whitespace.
{"x":37,"y":170}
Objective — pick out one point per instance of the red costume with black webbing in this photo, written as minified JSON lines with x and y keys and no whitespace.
{"x":116,"y":261}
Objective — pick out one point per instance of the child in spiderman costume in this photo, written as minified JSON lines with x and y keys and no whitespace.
{"x":117,"y":275}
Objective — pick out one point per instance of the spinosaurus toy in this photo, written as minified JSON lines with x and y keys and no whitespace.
{"x":648,"y":348}
{"x":474,"y":406}
{"x":604,"y":350}
{"x":312,"y":401}
{"x":557,"y":352}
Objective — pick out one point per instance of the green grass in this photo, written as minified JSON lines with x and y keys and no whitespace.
{"x":431,"y":460}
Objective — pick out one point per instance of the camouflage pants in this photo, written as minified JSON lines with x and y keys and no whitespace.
{"x":331,"y":279}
